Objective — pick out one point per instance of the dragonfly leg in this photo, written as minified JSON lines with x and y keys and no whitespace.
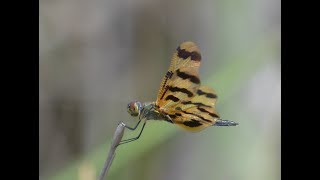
{"x":135,"y":138}
{"x":133,"y":128}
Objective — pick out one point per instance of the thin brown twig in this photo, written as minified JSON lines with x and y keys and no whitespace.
{"x":115,"y":142}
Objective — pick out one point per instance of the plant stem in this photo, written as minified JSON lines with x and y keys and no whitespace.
{"x":115,"y":142}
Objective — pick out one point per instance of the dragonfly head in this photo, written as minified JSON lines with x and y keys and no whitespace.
{"x":134,"y":108}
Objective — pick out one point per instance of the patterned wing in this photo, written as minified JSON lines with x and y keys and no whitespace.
{"x":198,"y":112}
{"x":181,"y":97}
{"x":182,"y":79}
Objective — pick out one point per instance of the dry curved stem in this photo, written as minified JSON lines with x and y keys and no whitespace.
{"x":115,"y":142}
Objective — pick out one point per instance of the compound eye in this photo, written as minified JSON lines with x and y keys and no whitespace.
{"x":134,"y":108}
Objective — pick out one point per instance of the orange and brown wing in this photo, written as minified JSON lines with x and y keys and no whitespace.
{"x":181,"y":97}
{"x":182,"y":79}
{"x":196,"y":113}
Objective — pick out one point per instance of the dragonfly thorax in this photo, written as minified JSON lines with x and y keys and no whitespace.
{"x":146,"y":111}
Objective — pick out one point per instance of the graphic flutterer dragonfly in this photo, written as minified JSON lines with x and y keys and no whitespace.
{"x":181,"y":100}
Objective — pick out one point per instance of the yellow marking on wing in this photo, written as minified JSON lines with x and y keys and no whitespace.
{"x":189,"y":65}
{"x":188,"y":104}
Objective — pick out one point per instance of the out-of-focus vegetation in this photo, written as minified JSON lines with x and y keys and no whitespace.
{"x":96,"y":56}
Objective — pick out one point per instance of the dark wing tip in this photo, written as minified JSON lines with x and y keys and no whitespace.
{"x":189,"y":49}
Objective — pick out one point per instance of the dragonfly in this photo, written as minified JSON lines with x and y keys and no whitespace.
{"x":181,"y":99}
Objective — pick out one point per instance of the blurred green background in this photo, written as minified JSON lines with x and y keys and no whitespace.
{"x":96,"y":56}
